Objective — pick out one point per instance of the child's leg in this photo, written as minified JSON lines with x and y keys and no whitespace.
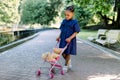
{"x":64,"y":56}
{"x":67,"y":58}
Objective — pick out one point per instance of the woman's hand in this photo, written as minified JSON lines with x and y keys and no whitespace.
{"x":58,"y":39}
{"x":68,"y":40}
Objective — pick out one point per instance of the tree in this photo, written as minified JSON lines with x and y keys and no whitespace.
{"x":8,"y":11}
{"x":81,"y":14}
{"x":104,"y":9}
{"x":39,"y":11}
{"x":117,"y":9}
{"x":98,"y":7}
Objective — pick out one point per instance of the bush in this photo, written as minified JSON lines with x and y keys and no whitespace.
{"x":5,"y":38}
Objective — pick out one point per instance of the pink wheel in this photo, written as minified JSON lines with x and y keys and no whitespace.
{"x":38,"y":73}
{"x":62,"y":72}
{"x":51,"y":76}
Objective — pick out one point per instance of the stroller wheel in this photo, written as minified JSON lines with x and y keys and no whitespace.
{"x":38,"y":73}
{"x":51,"y":76}
{"x":62,"y":72}
{"x":53,"y":70}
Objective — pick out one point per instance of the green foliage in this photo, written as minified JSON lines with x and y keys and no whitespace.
{"x":102,"y":6}
{"x":5,"y":38}
{"x":8,"y":13}
{"x":4,"y":16}
{"x":39,"y":11}
{"x":82,"y":15}
{"x":104,"y":12}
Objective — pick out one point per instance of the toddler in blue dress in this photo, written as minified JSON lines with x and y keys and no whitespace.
{"x":69,"y":29}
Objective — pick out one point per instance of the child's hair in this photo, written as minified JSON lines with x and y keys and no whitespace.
{"x":70,"y":8}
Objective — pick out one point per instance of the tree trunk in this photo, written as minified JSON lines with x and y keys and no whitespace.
{"x":118,"y":19}
{"x":104,"y":18}
{"x":118,"y":14}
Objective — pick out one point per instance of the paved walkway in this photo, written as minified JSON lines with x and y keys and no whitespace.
{"x":21,"y":62}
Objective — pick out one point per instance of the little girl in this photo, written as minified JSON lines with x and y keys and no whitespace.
{"x":69,"y":29}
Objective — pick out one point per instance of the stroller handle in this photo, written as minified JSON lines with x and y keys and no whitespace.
{"x":64,"y":47}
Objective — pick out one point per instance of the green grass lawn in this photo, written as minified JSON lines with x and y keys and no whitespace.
{"x":84,"y":34}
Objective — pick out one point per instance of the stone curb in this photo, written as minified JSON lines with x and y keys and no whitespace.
{"x":110,"y":52}
{"x":13,"y":44}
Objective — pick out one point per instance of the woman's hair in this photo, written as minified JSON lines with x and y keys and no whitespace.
{"x":70,"y":8}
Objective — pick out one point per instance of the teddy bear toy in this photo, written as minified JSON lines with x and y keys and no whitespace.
{"x":57,"y":50}
{"x":50,"y":56}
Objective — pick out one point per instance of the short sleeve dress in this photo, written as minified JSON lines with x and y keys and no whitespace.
{"x":68,"y":27}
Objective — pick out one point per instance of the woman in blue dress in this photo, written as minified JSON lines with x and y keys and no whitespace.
{"x":69,"y":29}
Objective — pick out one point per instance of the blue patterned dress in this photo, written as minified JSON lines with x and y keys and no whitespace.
{"x":68,"y":27}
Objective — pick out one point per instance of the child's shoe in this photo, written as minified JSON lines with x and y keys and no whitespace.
{"x":70,"y":64}
{"x":65,"y":68}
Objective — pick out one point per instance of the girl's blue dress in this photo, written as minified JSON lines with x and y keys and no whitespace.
{"x":68,"y":27}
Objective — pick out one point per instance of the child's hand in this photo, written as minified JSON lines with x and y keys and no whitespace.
{"x":58,"y":39}
{"x":68,"y":40}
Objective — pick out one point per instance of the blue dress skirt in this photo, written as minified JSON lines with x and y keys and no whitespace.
{"x":68,"y":27}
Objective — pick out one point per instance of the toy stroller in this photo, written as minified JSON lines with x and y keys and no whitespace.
{"x":53,"y":62}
